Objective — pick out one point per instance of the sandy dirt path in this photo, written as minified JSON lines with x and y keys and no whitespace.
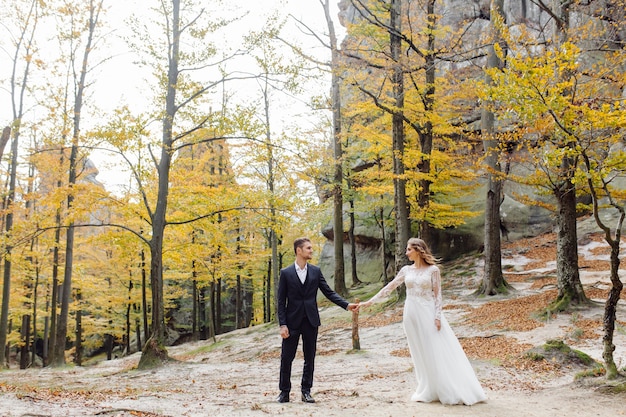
{"x":238,"y":375}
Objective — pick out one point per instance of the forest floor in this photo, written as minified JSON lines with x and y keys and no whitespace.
{"x":238,"y":374}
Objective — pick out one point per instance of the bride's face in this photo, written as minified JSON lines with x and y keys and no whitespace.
{"x":412,"y":254}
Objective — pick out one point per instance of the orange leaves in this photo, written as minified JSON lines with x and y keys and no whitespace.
{"x":401,"y":353}
{"x":227,"y":387}
{"x":383,"y":319}
{"x":57,"y":394}
{"x":496,"y":347}
{"x":44,"y":396}
{"x":513,"y":314}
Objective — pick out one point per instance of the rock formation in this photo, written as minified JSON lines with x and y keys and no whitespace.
{"x":518,"y":219}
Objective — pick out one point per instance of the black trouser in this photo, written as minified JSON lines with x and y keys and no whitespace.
{"x":288,"y":353}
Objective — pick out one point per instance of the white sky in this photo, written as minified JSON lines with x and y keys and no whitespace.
{"x":119,"y":81}
{"x":116,"y":83}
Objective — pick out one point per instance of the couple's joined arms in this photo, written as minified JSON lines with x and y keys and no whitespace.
{"x":386,"y":291}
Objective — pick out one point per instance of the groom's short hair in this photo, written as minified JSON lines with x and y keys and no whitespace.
{"x":298,"y":243}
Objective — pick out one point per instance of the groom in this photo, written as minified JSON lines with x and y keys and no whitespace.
{"x":299,"y":317}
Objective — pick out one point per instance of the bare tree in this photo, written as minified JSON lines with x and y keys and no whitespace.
{"x":613,"y":238}
{"x":24,"y":48}
{"x":179,"y":94}
{"x":338,"y":233}
{"x":57,"y":357}
{"x":493,"y":281}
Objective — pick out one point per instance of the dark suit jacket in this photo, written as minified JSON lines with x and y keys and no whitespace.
{"x":297,"y":301}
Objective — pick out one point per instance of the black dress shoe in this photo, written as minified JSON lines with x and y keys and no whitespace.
{"x":283,"y":397}
{"x":306,"y":397}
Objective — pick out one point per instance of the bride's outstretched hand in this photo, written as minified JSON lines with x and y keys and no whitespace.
{"x":365,"y":304}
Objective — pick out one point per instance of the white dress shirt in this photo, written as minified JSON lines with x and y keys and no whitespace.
{"x":301,"y":272}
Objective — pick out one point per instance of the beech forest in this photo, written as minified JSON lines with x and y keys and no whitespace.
{"x":159,"y":157}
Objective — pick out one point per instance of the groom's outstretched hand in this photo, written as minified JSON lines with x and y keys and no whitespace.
{"x":353,"y":307}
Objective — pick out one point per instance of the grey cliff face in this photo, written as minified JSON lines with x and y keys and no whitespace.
{"x":472,"y":17}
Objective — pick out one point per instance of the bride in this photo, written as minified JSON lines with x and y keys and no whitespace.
{"x":442,"y":370}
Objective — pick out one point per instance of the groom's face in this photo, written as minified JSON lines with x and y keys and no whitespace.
{"x":306,"y":251}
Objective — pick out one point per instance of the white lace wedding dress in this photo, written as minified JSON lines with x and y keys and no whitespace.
{"x":442,"y":370}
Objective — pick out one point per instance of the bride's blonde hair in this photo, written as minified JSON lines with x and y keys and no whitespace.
{"x":420,"y":246}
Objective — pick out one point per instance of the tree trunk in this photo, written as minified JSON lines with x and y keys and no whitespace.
{"x":108,"y":345}
{"x":138,"y":334}
{"x":128,"y":321}
{"x":203,"y":314}
{"x":356,"y":342}
{"x":195,"y":329}
{"x":66,"y":294}
{"x":58,"y":357}
{"x":238,"y":302}
{"x":31,"y":261}
{"x":210,"y":314}
{"x":493,"y":280}
{"x":340,"y":276}
{"x":610,"y":308}
{"x":54,"y":298}
{"x":78,"y":352}
{"x":19,"y":87}
{"x":268,"y":293}
{"x":7,"y":348}
{"x":426,"y":135}
{"x":218,"y":306}
{"x":56,"y":257}
{"x":401,"y":206}
{"x":4,"y":139}
{"x":144,"y":297}
{"x":239,"y":295}
{"x":35,"y":306}
{"x":154,"y":353}
{"x":194,"y":293}
{"x":568,"y":278}
{"x":248,"y":299}
{"x":273,"y":234}
{"x":25,"y":342}
{"x":384,"y":244}
{"x":274,"y":271}
{"x":6,"y":282}
{"x":46,"y":340}
{"x":353,"y":261}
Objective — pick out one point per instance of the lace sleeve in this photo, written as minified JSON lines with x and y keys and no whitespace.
{"x":435,"y":279}
{"x":384,"y":293}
